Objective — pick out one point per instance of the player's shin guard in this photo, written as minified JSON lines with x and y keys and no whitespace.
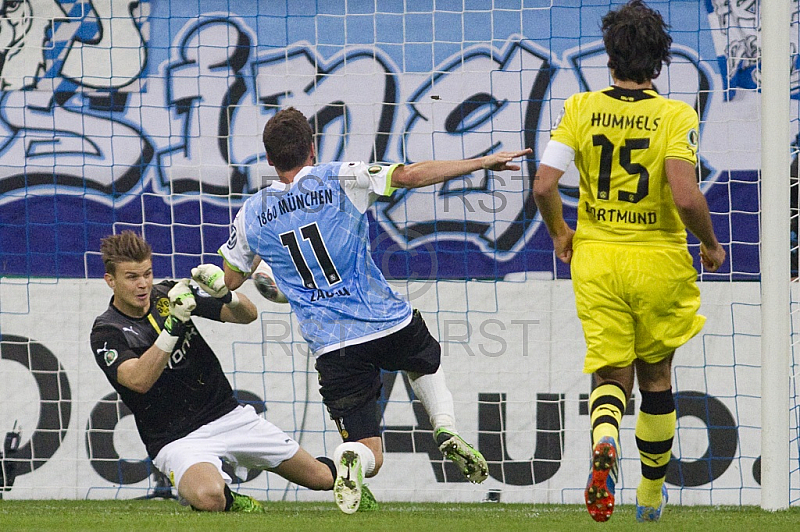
{"x":434,"y":395}
{"x":655,"y":429}
{"x":607,"y":404}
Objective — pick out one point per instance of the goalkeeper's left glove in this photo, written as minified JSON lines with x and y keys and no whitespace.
{"x":181,"y":305}
{"x":211,"y":279}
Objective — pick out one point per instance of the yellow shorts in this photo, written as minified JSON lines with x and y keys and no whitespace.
{"x":634,"y":301}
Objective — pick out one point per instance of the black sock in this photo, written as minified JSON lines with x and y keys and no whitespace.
{"x":228,"y":498}
{"x":328,"y":462}
{"x":655,"y":430}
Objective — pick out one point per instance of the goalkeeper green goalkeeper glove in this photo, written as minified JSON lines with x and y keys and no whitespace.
{"x":211,"y":279}
{"x":181,"y":305}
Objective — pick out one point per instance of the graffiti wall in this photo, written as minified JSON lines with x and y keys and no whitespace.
{"x":147,"y":114}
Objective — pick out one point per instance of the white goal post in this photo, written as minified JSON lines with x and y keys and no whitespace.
{"x":775,"y":253}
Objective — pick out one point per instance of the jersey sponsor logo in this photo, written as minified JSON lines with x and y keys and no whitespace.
{"x":162,"y":306}
{"x":182,"y":349}
{"x":232,"y":239}
{"x":130,"y":330}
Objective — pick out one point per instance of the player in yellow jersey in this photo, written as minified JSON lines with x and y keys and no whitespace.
{"x":635,"y":286}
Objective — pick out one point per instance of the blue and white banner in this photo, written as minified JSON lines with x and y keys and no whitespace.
{"x":148,"y":115}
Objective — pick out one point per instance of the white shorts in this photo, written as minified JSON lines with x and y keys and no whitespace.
{"x":241,"y":437}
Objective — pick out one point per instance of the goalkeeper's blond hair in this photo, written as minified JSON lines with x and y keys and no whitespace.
{"x":124,"y":247}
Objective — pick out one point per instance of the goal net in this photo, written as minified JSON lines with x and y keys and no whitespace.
{"x":147,"y":115}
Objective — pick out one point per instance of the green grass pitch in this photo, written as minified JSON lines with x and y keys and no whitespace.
{"x":161,"y":515}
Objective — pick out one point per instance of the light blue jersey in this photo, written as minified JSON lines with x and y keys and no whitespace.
{"x":314,"y":234}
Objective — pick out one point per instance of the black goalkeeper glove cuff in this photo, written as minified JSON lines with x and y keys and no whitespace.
{"x":174,"y":326}
{"x":226,"y":298}
{"x":173,"y":331}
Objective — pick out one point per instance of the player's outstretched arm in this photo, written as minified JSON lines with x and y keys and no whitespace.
{"x":237,"y":308}
{"x":426,"y":173}
{"x":139,"y":374}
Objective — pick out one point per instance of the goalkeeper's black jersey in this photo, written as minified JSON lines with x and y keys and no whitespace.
{"x":192,"y":390}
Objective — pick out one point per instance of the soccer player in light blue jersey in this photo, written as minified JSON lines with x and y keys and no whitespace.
{"x":311,"y":228}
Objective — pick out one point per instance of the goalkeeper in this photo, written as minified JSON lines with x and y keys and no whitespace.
{"x":634,"y":282}
{"x":311,"y":227}
{"x":165,"y":372}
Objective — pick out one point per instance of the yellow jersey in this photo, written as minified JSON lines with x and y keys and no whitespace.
{"x":621,"y":139}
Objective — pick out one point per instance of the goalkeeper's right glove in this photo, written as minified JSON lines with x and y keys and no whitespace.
{"x":181,"y":305}
{"x":211,"y":278}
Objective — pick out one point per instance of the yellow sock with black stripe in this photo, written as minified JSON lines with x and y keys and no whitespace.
{"x":655,"y":429}
{"x":607,"y":404}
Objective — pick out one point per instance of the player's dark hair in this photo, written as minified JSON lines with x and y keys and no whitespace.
{"x":636,"y":41}
{"x":287,"y":139}
{"x":127,"y":246}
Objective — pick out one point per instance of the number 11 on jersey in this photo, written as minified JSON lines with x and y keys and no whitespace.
{"x":312,"y":234}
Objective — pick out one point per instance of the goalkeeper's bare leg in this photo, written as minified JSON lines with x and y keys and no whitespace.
{"x":204,"y":488}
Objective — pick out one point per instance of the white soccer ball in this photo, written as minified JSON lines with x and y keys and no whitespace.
{"x":265,"y":284}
